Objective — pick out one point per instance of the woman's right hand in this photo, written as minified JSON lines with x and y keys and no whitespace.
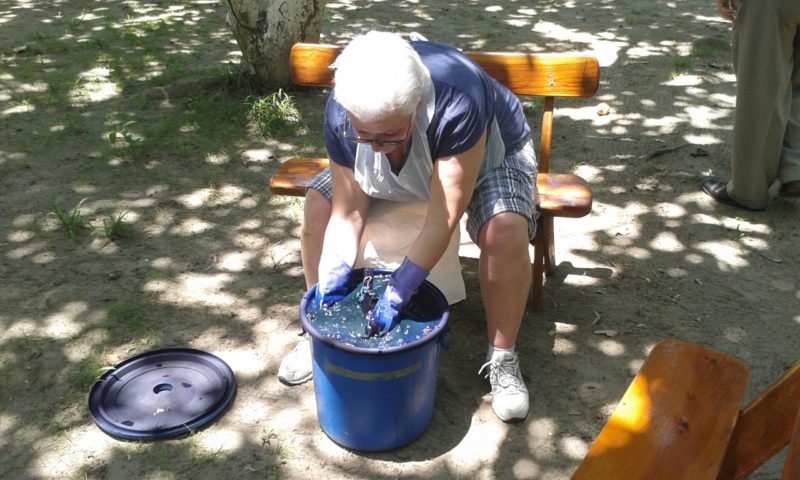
{"x":332,"y":285}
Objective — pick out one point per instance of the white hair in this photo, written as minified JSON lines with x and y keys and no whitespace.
{"x":378,"y":76}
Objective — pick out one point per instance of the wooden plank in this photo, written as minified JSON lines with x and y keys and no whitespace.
{"x":310,"y":64}
{"x":563,"y":195}
{"x":558,"y":194}
{"x":543,"y":74}
{"x":293,"y":176}
{"x":675,"y":419}
{"x":546,"y":139}
{"x":764,"y":426}
{"x":553,"y":74}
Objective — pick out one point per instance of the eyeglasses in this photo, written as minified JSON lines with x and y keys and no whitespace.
{"x":381,"y":143}
{"x":372,"y":141}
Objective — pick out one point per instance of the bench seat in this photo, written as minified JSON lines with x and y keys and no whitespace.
{"x":559,"y":194}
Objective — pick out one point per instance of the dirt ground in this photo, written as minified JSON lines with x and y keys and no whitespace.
{"x":213,"y":262}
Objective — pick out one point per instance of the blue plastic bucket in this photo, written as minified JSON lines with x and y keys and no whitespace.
{"x":376,"y":399}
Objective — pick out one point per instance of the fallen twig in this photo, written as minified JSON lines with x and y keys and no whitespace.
{"x":663,"y":151}
{"x":776,"y":260}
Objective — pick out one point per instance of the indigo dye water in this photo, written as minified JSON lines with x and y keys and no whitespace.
{"x":344,"y":322}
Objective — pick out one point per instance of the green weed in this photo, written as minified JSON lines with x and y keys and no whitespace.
{"x":273,"y":113}
{"x":214,"y":193}
{"x":72,"y":221}
{"x":276,"y":452}
{"x":126,"y":134}
{"x":116,"y":228}
{"x":156,"y":274}
{"x":681,"y":66}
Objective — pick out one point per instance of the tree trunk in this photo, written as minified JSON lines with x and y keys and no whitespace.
{"x":266,"y":30}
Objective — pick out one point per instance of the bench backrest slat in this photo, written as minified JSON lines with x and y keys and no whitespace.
{"x":537,"y":74}
{"x":558,"y":75}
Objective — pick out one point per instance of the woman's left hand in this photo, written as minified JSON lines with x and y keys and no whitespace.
{"x":403,"y":284}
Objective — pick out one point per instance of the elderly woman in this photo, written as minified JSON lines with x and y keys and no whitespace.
{"x":419,"y":121}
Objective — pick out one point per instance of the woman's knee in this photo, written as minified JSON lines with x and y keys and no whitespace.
{"x":316,"y":213}
{"x":504,"y":232}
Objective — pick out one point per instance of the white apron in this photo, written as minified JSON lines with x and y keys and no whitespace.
{"x":396,"y":217}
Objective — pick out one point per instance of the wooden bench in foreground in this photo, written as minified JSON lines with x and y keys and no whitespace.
{"x":527,"y":74}
{"x":680,"y":419}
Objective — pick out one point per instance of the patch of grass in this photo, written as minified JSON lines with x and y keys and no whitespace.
{"x":704,"y":51}
{"x":116,"y":228}
{"x":711,"y":47}
{"x":90,"y":369}
{"x":72,"y":221}
{"x":175,"y":69}
{"x":201,"y":123}
{"x":192,"y":462}
{"x":236,"y":78}
{"x":681,"y":66}
{"x":273,"y":113}
{"x":127,"y":319}
{"x":155,"y":274}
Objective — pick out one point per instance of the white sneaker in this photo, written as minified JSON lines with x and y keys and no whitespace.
{"x":509,"y":394}
{"x":296,"y":366}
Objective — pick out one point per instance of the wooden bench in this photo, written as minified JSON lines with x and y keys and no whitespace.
{"x":680,"y":419}
{"x":526,"y":74}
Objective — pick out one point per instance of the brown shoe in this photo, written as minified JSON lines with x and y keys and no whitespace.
{"x":790,"y":189}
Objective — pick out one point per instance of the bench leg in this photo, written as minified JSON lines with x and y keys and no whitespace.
{"x":544,"y":260}
{"x":549,"y":245}
{"x":537,"y":284}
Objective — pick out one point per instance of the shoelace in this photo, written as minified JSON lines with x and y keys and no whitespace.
{"x":504,"y":375}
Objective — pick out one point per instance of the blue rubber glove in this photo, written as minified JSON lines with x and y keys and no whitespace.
{"x":332,"y":286}
{"x":403,"y":284}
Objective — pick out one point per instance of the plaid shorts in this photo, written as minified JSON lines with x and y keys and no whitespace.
{"x":508,"y":188}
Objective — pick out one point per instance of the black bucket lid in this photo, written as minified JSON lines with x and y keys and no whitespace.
{"x":162,"y":393}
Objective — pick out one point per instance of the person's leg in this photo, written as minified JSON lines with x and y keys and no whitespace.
{"x":316,"y":213}
{"x":790,"y":156}
{"x":296,"y":367}
{"x":501,"y":220}
{"x":789,"y":174}
{"x":505,"y":276}
{"x":762,"y":57}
